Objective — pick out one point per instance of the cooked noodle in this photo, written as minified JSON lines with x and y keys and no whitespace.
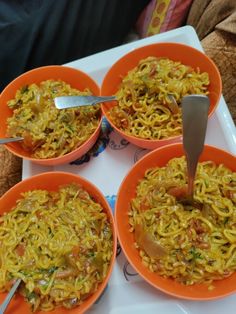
{"x":144,"y":107}
{"x":183,"y":242}
{"x":49,"y":132}
{"x":59,"y":243}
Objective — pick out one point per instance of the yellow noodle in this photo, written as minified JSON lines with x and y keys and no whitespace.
{"x":64,"y":252}
{"x":144,"y":107}
{"x":199,"y":243}
{"x":49,"y":132}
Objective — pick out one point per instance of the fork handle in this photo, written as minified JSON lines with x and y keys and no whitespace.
{"x":65,"y":102}
{"x":195,"y":116}
{"x":9,"y":296}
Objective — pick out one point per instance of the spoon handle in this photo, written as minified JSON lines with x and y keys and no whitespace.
{"x":10,"y":140}
{"x":65,"y":102}
{"x":9,"y":296}
{"x":194,"y":115}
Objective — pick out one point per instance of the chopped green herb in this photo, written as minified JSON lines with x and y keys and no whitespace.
{"x":195,"y":254}
{"x":24,"y":89}
{"x":90,"y":254}
{"x":226,"y":219}
{"x":30,"y":295}
{"x":48,"y":271}
{"x":52,"y":269}
{"x":25,"y":273}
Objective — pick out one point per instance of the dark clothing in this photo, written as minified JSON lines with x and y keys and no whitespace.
{"x":42,"y":32}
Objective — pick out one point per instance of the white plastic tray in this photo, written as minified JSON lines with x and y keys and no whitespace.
{"x":106,"y":166}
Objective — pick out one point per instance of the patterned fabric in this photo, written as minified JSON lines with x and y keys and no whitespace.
{"x":158,"y":17}
{"x":162,"y":15}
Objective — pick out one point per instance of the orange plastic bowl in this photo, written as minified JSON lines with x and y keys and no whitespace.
{"x":74,"y":77}
{"x":174,"y":51}
{"x":51,"y":181}
{"x":160,"y":157}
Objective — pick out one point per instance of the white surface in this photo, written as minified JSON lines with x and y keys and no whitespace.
{"x":109,"y":168}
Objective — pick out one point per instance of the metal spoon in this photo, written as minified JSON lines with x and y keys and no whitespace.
{"x":194,"y":116}
{"x":9,"y":296}
{"x":10,"y":140}
{"x":65,"y":102}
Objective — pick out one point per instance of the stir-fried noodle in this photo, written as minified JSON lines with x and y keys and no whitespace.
{"x":187,"y":243}
{"x":145,"y":108}
{"x":49,"y":132}
{"x":59,"y":243}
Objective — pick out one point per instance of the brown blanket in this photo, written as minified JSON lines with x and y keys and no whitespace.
{"x":215,"y":24}
{"x":10,"y":170}
{"x":221,"y":47}
{"x":209,"y":15}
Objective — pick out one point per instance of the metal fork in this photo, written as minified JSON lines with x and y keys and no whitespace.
{"x":65,"y":102}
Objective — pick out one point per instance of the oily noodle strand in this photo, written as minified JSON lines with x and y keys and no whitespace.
{"x":200,"y":243}
{"x":49,"y":132}
{"x":144,"y":108}
{"x":59,"y":243}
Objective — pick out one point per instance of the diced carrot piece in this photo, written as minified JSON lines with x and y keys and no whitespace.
{"x":20,"y":249}
{"x":178,"y":191}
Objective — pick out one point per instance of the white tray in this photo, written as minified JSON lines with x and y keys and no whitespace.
{"x":127,"y":292}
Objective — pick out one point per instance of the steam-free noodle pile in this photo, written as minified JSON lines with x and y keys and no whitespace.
{"x":189,"y":244}
{"x":49,"y":132}
{"x":59,"y":243}
{"x":144,"y":108}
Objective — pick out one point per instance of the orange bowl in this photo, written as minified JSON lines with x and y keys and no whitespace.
{"x":76,"y":78}
{"x":177,"y":52}
{"x":51,"y":181}
{"x":127,"y":191}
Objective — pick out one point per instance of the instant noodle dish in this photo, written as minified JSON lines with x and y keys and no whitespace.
{"x":149,"y":83}
{"x":57,"y":235}
{"x":184,"y":250}
{"x":50,"y":136}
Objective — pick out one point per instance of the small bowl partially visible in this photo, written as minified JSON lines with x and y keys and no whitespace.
{"x":51,"y":182}
{"x":77,"y":80}
{"x":176,"y":52}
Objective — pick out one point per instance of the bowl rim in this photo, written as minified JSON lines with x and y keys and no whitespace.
{"x":123,"y":240}
{"x":79,"y":180}
{"x":56,"y":160}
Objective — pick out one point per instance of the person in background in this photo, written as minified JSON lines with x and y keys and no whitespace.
{"x":34,"y":33}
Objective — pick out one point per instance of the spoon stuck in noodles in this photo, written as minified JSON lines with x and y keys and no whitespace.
{"x":195,"y":116}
